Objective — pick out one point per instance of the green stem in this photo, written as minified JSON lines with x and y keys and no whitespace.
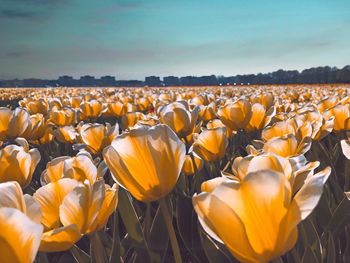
{"x":169,"y":225}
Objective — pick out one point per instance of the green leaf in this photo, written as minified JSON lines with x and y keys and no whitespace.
{"x":212,"y":250}
{"x":132,"y":224}
{"x":309,"y":256}
{"x":79,"y":255}
{"x":97,"y":250}
{"x":331,"y":257}
{"x":115,"y":253}
{"x":66,"y":258}
{"x":311,"y":238}
{"x":187,"y":222}
{"x":339,"y":217}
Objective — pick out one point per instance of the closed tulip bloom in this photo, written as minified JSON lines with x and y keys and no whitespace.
{"x":116,"y":109}
{"x":65,"y":134}
{"x":5,"y":117}
{"x":208,"y":112}
{"x":146,"y":161}
{"x":18,"y":163}
{"x":63,"y":117}
{"x":38,"y":106}
{"x":260,"y":117}
{"x":341,"y":114}
{"x":92,"y":109}
{"x":177,"y":116}
{"x":130,"y":119}
{"x":236,"y":115}
{"x":13,"y":124}
{"x":211,"y":144}
{"x":260,"y":210}
{"x":97,"y":136}
{"x":188,"y":167}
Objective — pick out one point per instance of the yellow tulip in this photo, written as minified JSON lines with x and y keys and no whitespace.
{"x":56,"y":237}
{"x":130,"y":119}
{"x":19,"y":236}
{"x":63,"y":117}
{"x":18,"y":163}
{"x":97,"y":136}
{"x":116,"y":109}
{"x":65,"y":134}
{"x":178,"y":117}
{"x":71,"y":209}
{"x":91,"y":109}
{"x":287,"y":146}
{"x":211,"y":144}
{"x":146,"y":161}
{"x":207,"y":113}
{"x":260,"y":210}
{"x":341,"y":114}
{"x":188,"y":167}
{"x":260,"y":117}
{"x":80,"y":168}
{"x":20,"y":228}
{"x":14,"y":123}
{"x":38,"y":106}
{"x":236,"y":115}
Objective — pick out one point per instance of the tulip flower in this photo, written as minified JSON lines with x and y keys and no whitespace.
{"x":211,"y":144}
{"x":65,"y":134}
{"x":92,"y":109}
{"x":236,"y":115}
{"x":177,"y":116}
{"x":97,"y":136}
{"x":188,"y":167}
{"x":341,"y":114}
{"x":17,"y":163}
{"x":19,"y":236}
{"x":116,"y":109}
{"x":146,"y":161}
{"x":63,"y":117}
{"x":20,"y":228}
{"x":80,"y":168}
{"x":260,"y":117}
{"x":13,"y":124}
{"x":260,"y":210}
{"x":38,"y":106}
{"x":287,"y":146}
{"x":130,"y":119}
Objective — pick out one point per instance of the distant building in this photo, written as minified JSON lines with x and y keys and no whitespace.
{"x":87,"y":81}
{"x":153,"y":81}
{"x":130,"y":83}
{"x":107,"y":81}
{"x":171,"y":81}
{"x":67,"y":81}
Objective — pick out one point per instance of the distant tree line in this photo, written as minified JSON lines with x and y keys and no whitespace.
{"x":318,"y":75}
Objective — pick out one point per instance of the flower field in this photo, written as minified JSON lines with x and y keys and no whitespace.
{"x":199,"y":174}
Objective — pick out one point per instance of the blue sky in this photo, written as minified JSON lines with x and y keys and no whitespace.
{"x":133,"y":39}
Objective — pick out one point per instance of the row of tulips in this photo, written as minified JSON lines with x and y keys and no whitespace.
{"x":207,"y":174}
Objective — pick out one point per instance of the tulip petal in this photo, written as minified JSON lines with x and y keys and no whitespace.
{"x":19,"y":237}
{"x":60,"y":239}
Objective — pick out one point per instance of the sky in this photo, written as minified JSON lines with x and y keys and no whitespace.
{"x":131,"y":39}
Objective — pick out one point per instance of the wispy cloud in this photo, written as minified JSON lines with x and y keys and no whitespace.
{"x":18,"y":14}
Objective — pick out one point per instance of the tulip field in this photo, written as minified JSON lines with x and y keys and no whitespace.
{"x":216,"y":174}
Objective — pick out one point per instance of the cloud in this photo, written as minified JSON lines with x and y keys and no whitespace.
{"x":18,"y":14}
